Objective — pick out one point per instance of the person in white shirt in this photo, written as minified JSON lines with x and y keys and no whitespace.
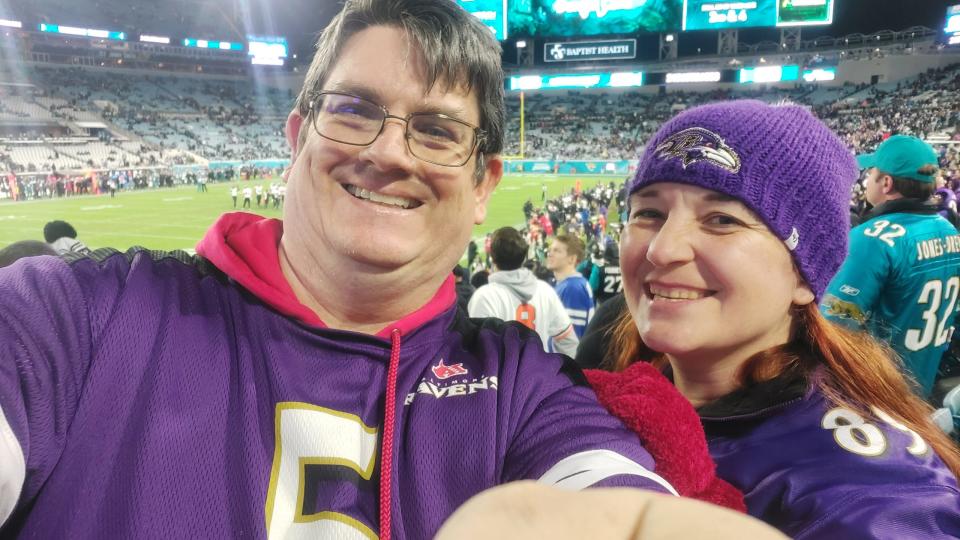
{"x":515,"y":294}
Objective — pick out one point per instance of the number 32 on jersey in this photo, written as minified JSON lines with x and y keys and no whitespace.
{"x":885,"y":231}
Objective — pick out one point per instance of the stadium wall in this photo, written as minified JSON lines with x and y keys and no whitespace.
{"x":890,"y":69}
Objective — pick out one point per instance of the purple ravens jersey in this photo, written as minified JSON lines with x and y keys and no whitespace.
{"x":148,"y":395}
{"x":816,"y":470}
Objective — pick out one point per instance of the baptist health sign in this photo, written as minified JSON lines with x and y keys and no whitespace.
{"x":573,"y":51}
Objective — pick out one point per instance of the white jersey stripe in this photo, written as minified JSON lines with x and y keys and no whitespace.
{"x":13,"y":469}
{"x":585,"y":469}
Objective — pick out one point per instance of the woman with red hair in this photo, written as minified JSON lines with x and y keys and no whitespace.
{"x":738,"y":218}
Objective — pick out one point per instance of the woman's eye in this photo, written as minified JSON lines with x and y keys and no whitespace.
{"x":646,"y":213}
{"x":723,"y":220}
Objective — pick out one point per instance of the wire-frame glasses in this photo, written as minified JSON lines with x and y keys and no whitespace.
{"x":432,"y":137}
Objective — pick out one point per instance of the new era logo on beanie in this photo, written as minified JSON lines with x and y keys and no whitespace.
{"x":778,"y":160}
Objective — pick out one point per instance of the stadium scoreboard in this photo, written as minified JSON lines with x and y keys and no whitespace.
{"x":713,"y":15}
{"x":951,"y":27}
{"x":592,"y":17}
{"x":267,"y":50}
{"x":567,"y":18}
{"x":492,"y":13}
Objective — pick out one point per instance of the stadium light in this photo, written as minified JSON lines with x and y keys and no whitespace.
{"x":669,"y":38}
{"x":146,"y":38}
{"x":521,"y":44}
{"x":819,"y":74}
{"x":693,"y":77}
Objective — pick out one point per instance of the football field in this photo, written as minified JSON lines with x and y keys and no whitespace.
{"x":176,"y":218}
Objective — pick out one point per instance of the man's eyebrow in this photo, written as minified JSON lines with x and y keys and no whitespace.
{"x":356,"y":90}
{"x":372,"y":95}
{"x":455,"y":112}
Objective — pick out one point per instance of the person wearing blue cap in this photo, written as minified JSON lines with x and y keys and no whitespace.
{"x":901,"y":279}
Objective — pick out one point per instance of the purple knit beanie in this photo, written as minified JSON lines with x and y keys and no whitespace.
{"x":778,"y":160}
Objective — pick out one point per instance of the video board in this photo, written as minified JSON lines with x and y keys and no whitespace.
{"x":712,"y":15}
{"x":492,"y":13}
{"x":804,"y":12}
{"x":267,"y":50}
{"x":592,"y":17}
{"x":951,"y":26}
{"x":720,"y":15}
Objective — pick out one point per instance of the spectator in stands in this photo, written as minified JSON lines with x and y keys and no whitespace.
{"x":24,"y":248}
{"x":63,"y":238}
{"x":610,"y":281}
{"x":596,"y":350}
{"x":946,"y":201}
{"x":479,"y":278}
{"x":464,"y":289}
{"x":901,"y":281}
{"x":515,"y":294}
{"x":732,"y":236}
{"x":564,"y":255}
{"x":220,"y":374}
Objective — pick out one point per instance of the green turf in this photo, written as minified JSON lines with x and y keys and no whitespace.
{"x":176,"y":218}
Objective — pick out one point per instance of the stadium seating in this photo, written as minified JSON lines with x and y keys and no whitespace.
{"x":161,"y":120}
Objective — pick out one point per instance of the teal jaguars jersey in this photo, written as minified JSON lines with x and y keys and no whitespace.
{"x":900,"y":281}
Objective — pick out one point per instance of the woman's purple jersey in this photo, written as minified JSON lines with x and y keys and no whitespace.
{"x":818,"y":471}
{"x":149,"y":395}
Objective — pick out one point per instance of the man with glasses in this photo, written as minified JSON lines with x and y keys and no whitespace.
{"x":308,"y":378}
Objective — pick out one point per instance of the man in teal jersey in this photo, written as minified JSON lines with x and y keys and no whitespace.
{"x":901,"y":278}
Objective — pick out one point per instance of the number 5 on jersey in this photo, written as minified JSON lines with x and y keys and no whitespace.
{"x":311,"y":435}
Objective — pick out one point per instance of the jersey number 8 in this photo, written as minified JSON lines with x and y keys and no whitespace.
{"x":856,"y":435}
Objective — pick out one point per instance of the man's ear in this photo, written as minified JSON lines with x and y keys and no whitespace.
{"x":292,"y":131}
{"x":886,"y":184}
{"x":493,"y":172}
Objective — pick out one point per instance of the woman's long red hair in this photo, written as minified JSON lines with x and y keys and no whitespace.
{"x":860,"y":372}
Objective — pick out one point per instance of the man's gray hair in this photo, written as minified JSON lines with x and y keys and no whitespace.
{"x":459,"y":51}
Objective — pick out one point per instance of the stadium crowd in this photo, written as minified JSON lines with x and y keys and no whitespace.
{"x":167,"y":120}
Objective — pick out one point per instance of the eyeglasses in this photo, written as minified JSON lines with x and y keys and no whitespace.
{"x":432,"y":137}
